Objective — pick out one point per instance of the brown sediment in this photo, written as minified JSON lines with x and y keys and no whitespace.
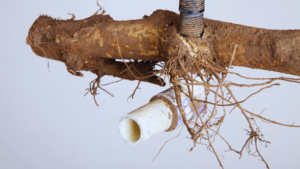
{"x":80,"y":44}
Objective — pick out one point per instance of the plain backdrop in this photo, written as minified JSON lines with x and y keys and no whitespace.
{"x":46,"y":123}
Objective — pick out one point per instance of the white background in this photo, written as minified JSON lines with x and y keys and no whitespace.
{"x":46,"y":123}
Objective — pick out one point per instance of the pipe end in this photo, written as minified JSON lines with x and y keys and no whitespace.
{"x":130,"y":130}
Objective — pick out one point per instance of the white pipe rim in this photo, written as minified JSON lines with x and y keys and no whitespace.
{"x":131,"y":130}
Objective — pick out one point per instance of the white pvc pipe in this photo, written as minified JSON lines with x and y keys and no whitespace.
{"x":145,"y":122}
{"x":161,"y":114}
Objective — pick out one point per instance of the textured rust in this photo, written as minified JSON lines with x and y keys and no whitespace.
{"x":81,"y":44}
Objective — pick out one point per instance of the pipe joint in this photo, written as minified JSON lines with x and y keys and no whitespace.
{"x":160,"y":114}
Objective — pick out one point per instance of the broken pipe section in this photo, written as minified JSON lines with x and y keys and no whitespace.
{"x":160,"y":114}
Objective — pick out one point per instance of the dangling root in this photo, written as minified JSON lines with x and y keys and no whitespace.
{"x":95,"y":85}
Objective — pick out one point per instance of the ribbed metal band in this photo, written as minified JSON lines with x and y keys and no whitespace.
{"x":191,"y":18}
{"x":192,"y":5}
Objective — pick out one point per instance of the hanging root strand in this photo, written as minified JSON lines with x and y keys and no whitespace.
{"x":95,"y":85}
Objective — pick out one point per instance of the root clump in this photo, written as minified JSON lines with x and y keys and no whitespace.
{"x":186,"y":68}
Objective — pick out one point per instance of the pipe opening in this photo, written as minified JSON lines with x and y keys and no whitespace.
{"x":130,"y":130}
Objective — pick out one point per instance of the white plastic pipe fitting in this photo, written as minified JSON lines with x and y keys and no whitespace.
{"x":145,"y":122}
{"x":160,"y":114}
